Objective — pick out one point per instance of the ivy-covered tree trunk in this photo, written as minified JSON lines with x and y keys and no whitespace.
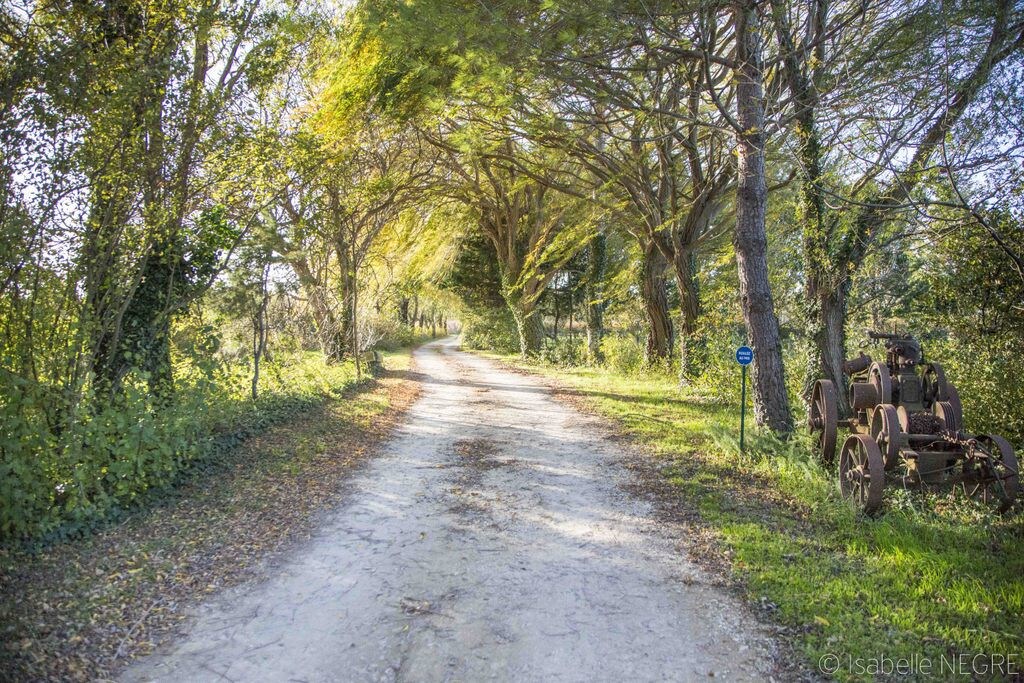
{"x":831,"y":341}
{"x":824,"y":291}
{"x":529,"y":326}
{"x":102,"y":300}
{"x":140,"y":336}
{"x":654,"y":292}
{"x":691,"y":347}
{"x":130,"y":320}
{"x":148,"y":324}
{"x":403,"y":310}
{"x":594,"y":291}
{"x":826,"y":287}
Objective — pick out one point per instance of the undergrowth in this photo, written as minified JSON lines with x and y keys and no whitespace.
{"x":60,"y":482}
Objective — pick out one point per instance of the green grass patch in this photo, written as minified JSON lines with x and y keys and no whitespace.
{"x":933,"y":577}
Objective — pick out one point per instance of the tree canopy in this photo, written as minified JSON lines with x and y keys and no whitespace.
{"x":195,"y":188}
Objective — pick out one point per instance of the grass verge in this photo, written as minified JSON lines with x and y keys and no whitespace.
{"x":79,"y":609}
{"x":929,"y":585}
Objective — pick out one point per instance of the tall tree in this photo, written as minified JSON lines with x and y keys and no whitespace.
{"x":907,"y":52}
{"x":630,"y":107}
{"x":771,"y":404}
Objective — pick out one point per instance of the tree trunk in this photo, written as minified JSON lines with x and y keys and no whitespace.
{"x":691,"y":347}
{"x":259,"y":333}
{"x":826,"y":340}
{"x":824,"y":304}
{"x":158,"y":359}
{"x":145,"y":338}
{"x":655,"y":298}
{"x":771,"y":407}
{"x":403,"y":310}
{"x":355,"y":324}
{"x":529,"y":325}
{"x":558,"y":313}
{"x":108,"y":211}
{"x":571,"y":318}
{"x":594,"y":291}
{"x":824,"y":297}
{"x":342,"y":339}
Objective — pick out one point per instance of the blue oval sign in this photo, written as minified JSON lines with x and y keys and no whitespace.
{"x":744,"y":355}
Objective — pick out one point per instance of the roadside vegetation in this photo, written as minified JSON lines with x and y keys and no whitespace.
{"x":935,"y":577}
{"x":181,"y":264}
{"x":78,"y":609}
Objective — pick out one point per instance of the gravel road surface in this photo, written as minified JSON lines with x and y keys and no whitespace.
{"x":491,"y":539}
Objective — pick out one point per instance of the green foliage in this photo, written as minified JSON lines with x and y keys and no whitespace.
{"x":188,"y":186}
{"x":402,"y":58}
{"x":490,"y":329}
{"x":108,"y":458}
{"x":974,"y":302}
{"x":565,"y":351}
{"x":989,"y":375}
{"x":403,"y":336}
{"x":474,"y":277}
{"x":623,"y":354}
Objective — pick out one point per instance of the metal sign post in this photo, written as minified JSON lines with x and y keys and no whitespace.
{"x":744,"y":356}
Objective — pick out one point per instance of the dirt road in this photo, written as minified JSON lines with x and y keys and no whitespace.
{"x":492,"y":539}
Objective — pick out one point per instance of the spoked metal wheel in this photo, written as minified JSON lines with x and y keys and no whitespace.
{"x":823,"y":419}
{"x":862,"y":472}
{"x":885,"y":430}
{"x":995,"y":481}
{"x":878,"y":377}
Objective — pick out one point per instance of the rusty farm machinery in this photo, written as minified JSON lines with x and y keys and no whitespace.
{"x":906,"y":425}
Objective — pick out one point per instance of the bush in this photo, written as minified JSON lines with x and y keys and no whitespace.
{"x":989,"y":377}
{"x":393,"y":335}
{"x":490,"y":330}
{"x":565,"y":352}
{"x":623,"y":354}
{"x":63,"y":475}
